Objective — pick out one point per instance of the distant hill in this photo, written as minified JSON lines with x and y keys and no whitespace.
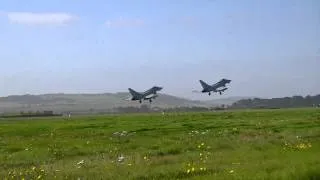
{"x":107,"y":102}
{"x":86,"y":102}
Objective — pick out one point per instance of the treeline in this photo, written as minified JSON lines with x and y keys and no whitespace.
{"x":285,"y":102}
{"x":30,"y":114}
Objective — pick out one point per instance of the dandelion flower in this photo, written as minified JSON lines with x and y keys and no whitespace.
{"x":33,"y":168}
{"x":80,"y":162}
{"x":188,"y":171}
{"x":192,"y":169}
{"x":39,"y":177}
{"x":231,"y":171}
{"x":202,"y":144}
{"x":145,"y":157}
{"x":121,"y":158}
{"x":201,"y":169}
{"x":204,"y":168}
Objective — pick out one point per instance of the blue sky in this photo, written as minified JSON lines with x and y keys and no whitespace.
{"x":268,"y":48}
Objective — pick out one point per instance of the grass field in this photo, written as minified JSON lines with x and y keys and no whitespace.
{"x":266,"y":144}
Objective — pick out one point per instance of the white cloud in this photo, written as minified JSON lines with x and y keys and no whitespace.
{"x":30,"y":18}
{"x":121,"y":22}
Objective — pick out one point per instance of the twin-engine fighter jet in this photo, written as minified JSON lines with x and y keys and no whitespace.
{"x":147,"y":95}
{"x":217,"y":87}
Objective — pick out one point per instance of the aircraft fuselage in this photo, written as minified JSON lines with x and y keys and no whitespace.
{"x":147,"y":95}
{"x":217,"y":87}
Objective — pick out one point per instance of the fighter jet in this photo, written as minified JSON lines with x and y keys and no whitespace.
{"x":147,"y":95}
{"x":215,"y":87}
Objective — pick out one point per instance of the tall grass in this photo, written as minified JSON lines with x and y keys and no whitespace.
{"x":265,"y":144}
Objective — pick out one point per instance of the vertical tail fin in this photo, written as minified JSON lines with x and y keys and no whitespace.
{"x":204,"y":85}
{"x":133,"y":92}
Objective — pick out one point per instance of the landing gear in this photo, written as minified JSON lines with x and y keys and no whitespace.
{"x":209,"y":93}
{"x":150,"y":100}
{"x":220,"y":92}
{"x":140,"y":101}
